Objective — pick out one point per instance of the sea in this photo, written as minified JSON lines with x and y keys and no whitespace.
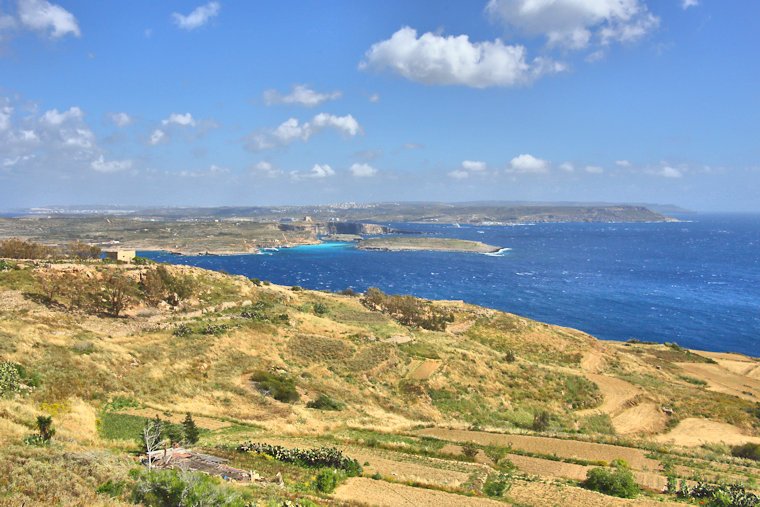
{"x":695,"y":282}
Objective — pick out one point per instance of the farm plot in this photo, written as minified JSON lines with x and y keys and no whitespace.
{"x":538,"y":494}
{"x":572,"y":449}
{"x":386,"y":494}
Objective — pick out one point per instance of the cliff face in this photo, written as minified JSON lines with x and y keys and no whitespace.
{"x":356,"y":228}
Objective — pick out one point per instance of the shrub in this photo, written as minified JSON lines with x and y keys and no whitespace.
{"x":296,"y":288}
{"x":326,"y":480}
{"x":616,"y":482}
{"x":15,"y":248}
{"x":408,"y":310}
{"x":510,"y":356}
{"x":10,"y":379}
{"x":469,"y":450}
{"x":541,"y":420}
{"x":325,"y":402}
{"x":348,"y":292}
{"x":497,"y":484}
{"x":170,"y":488}
{"x":320,"y":309}
{"x":81,"y":250}
{"x":279,"y":386}
{"x":112,"y":488}
{"x":159,"y":284}
{"x":747,"y":451}
{"x":723,"y":495}
{"x":182,"y":331}
{"x":322,"y":457}
{"x":5,"y":266}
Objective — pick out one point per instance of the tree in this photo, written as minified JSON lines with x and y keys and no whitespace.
{"x":82,"y":250}
{"x":117,"y":293}
{"x":151,"y":437}
{"x":45,"y":427}
{"x":191,"y":430}
{"x":619,"y":482}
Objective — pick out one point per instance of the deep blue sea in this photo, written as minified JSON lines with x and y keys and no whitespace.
{"x":695,"y":282}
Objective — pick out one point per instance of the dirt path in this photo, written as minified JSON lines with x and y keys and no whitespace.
{"x":619,"y":395}
{"x":545,"y":445}
{"x":693,"y":432}
{"x":386,"y":494}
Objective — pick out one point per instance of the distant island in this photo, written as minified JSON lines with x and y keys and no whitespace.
{"x":400,"y":243}
{"x":240,"y":230}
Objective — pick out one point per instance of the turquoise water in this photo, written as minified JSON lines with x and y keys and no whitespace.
{"x":696,"y":283}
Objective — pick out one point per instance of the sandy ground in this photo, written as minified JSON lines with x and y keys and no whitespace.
{"x":385,"y":494}
{"x":644,"y":418}
{"x":693,"y":432}
{"x":425,"y":370}
{"x":406,"y":471}
{"x":545,"y":445}
{"x":723,"y":380}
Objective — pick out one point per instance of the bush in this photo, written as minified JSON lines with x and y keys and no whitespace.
{"x":170,"y":488}
{"x":322,"y":457}
{"x":182,"y":331}
{"x":723,"y":495}
{"x":617,"y":482}
{"x":159,"y":284}
{"x":279,"y":386}
{"x":112,"y":488}
{"x":10,"y":379}
{"x":408,"y":310}
{"x":469,"y":450}
{"x":325,"y":402}
{"x":747,"y":451}
{"x":326,"y":480}
{"x":320,"y":309}
{"x":296,"y":288}
{"x":497,"y":484}
{"x":15,"y":248}
{"x":190,"y":429}
{"x":541,"y":420}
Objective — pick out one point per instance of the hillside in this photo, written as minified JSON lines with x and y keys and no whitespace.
{"x":437,"y":401}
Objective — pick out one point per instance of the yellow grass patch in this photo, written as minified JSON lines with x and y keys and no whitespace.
{"x":693,"y":432}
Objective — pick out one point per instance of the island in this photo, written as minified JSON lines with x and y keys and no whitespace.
{"x":401,"y":243}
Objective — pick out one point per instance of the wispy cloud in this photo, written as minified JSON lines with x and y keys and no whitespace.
{"x":292,"y":129}
{"x":198,"y":17}
{"x":300,"y":95}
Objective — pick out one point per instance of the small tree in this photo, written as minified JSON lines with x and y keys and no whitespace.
{"x":151,"y":437}
{"x":191,"y":430}
{"x":118,"y":293}
{"x":469,"y":450}
{"x":45,"y":427}
{"x":619,"y":482}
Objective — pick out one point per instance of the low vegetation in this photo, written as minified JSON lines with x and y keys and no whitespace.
{"x":279,"y":386}
{"x":323,"y":457}
{"x":408,"y":310}
{"x":618,"y":481}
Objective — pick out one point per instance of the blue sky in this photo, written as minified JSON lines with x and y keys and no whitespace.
{"x":290,"y":102}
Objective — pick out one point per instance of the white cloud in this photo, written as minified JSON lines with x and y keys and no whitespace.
{"x":78,"y":138}
{"x":291,"y":130}
{"x":213,"y":171}
{"x":363,"y":170}
{"x":623,"y":163}
{"x":102,"y":165}
{"x":45,"y":17}
{"x":374,"y":98}
{"x":685,"y":4}
{"x":157,"y":136}
{"x":575,"y":24}
{"x":528,"y":164}
{"x":594,"y":169}
{"x":319,"y":171}
{"x":669,"y":172}
{"x":198,"y":17}
{"x":413,"y":146}
{"x":473,"y":165}
{"x":459,"y":174}
{"x":301,"y":95}
{"x":10,"y":162}
{"x":54,"y":118}
{"x":184,"y":120}
{"x":454,"y":60}
{"x":120,"y":119}
{"x":346,"y":124}
{"x":567,"y":167}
